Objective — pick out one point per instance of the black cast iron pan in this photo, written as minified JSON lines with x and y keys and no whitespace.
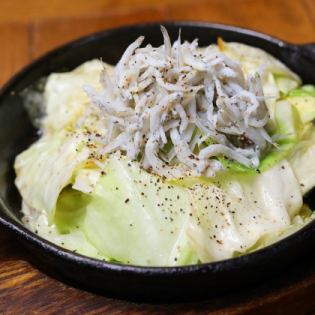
{"x":132,"y":282}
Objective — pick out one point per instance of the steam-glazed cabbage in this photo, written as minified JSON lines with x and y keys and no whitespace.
{"x":177,"y":155}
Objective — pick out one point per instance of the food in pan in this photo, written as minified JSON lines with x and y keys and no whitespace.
{"x":177,"y":155}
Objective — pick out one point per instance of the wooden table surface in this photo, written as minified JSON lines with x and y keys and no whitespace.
{"x":31,"y":27}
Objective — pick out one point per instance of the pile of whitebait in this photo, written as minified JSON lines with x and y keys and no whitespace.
{"x":177,"y":108}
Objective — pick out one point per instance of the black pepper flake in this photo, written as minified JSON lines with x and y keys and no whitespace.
{"x":127,"y":200}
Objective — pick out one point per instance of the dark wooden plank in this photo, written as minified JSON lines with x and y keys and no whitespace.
{"x":33,"y":10}
{"x":53,"y":32}
{"x":15,"y":48}
{"x":309,"y":6}
{"x":288,"y":20}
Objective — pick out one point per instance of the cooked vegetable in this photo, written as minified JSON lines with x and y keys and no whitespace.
{"x":304,"y":100}
{"x":176,"y":156}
